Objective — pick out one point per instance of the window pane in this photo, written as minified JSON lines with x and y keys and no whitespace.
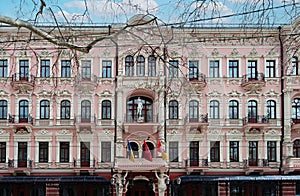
{"x":173,"y":69}
{"x":45,"y":68}
{"x":233,"y":69}
{"x":193,"y":70}
{"x":43,"y":152}
{"x":106,"y":69}
{"x":3,"y":68}
{"x":66,"y":68}
{"x":173,"y":151}
{"x":64,"y":152}
{"x":214,"y":69}
{"x":106,"y":151}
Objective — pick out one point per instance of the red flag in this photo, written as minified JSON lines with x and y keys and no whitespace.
{"x":158,"y":146}
{"x":147,"y":153}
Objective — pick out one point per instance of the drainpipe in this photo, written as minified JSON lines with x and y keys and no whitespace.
{"x":165,"y":93}
{"x":282,"y":105}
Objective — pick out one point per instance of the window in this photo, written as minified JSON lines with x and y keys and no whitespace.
{"x":105,"y":151}
{"x":65,"y":68}
{"x":43,"y":152}
{"x":215,"y":151}
{"x":234,"y":151}
{"x":140,"y":61}
{"x":253,"y":152}
{"x":45,"y":109}
{"x":233,"y":68}
{"x":23,"y":111}
{"x":173,"y":109}
{"x":146,"y":113}
{"x":64,"y":152}
{"x":24,"y":69}
{"x":214,"y":109}
{"x":271,"y":151}
{"x":65,"y":109}
{"x":252,"y":70}
{"x":252,"y":111}
{"x":173,"y":151}
{"x":45,"y":68}
{"x":193,"y":70}
{"x":129,"y":66}
{"x":233,"y":109}
{"x":173,"y":69}
{"x":294,"y":70}
{"x":2,"y":152}
{"x":193,"y":111}
{"x":151,"y":66}
{"x":194,"y":153}
{"x":296,"y":110}
{"x":3,"y":109}
{"x":85,"y":111}
{"x":22,"y":154}
{"x":3,"y":68}
{"x":84,"y":154}
{"x":106,"y":69}
{"x":214,"y":69}
{"x":106,"y":109}
{"x":296,"y":148}
{"x":270,"y":68}
{"x":271,"y":109}
{"x":86,"y":70}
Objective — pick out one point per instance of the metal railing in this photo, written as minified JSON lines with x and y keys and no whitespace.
{"x":262,"y":119}
{"x":23,"y":77}
{"x":250,"y":78}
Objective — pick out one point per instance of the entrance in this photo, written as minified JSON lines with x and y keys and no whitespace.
{"x":140,"y":188}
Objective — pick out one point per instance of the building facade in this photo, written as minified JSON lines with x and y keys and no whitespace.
{"x":222,"y":103}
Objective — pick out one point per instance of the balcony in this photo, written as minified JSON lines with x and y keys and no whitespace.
{"x":43,"y":122}
{"x":149,"y":123}
{"x":293,"y":164}
{"x":140,"y":164}
{"x":65,"y":122}
{"x":256,"y":122}
{"x":295,"y":123}
{"x":256,"y":83}
{"x":22,"y":82}
{"x":85,"y":84}
{"x":256,"y":165}
{"x":85,"y":123}
{"x":198,"y":123}
{"x":199,"y":83}
{"x":21,"y":125}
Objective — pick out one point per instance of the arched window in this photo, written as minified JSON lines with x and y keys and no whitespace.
{"x":193,"y":111}
{"x":23,"y":111}
{"x":44,"y":109}
{"x":296,"y":110}
{"x":129,"y":66}
{"x":294,"y":70}
{"x":85,"y":111}
{"x":139,"y":109}
{"x":135,"y":149}
{"x":233,"y":109}
{"x":252,"y":111}
{"x":65,"y":109}
{"x":173,"y":109}
{"x":3,"y":109}
{"x":296,"y":148}
{"x":151,"y":65}
{"x":106,"y":109}
{"x":140,"y":70}
{"x":214,"y":109}
{"x":271,"y":109}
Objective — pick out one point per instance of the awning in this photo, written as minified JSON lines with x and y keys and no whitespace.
{"x":194,"y":178}
{"x":65,"y":179}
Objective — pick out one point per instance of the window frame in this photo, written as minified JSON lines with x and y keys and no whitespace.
{"x":173,"y":151}
{"x":271,"y":109}
{"x":233,"y":68}
{"x":43,"y":152}
{"x":215,"y":151}
{"x":65,"y":68}
{"x":44,"y":109}
{"x":129,"y":66}
{"x":64,"y":152}
{"x":233,"y":109}
{"x":106,"y":109}
{"x":2,"y":152}
{"x":214,"y":68}
{"x":140,"y":65}
{"x":173,"y":68}
{"x":173,"y":109}
{"x":106,"y":69}
{"x":270,"y":69}
{"x":214,"y":109}
{"x":193,"y":111}
{"x":151,"y":66}
{"x":65,"y":109}
{"x":106,"y":151}
{"x":234,"y":151}
{"x":193,"y":70}
{"x":45,"y":68}
{"x":271,"y":151}
{"x":86,"y":69}
{"x":3,"y":68}
{"x":3,"y":109}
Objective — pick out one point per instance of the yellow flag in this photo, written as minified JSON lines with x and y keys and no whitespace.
{"x":164,"y":156}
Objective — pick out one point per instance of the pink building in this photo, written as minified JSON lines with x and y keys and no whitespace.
{"x":223,"y":102}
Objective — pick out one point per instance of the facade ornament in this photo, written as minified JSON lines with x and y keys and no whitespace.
{"x":253,"y":52}
{"x":119,"y":182}
{"x":234,"y":52}
{"x":162,"y":181}
{"x":215,"y":52}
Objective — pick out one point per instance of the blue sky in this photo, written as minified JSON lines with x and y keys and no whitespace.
{"x":170,"y":11}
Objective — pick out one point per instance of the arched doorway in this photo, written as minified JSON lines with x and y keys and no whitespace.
{"x":140,"y":188}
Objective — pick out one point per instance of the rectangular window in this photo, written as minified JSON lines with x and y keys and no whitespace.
{"x":173,"y":151}
{"x":173,"y":69}
{"x":2,"y":152}
{"x":24,"y":69}
{"x":45,"y":68}
{"x":270,"y":68}
{"x":193,"y":70}
{"x":194,"y":153}
{"x":3,"y":68}
{"x":105,"y":151}
{"x":234,"y":151}
{"x":215,"y":151}
{"x":106,"y":69}
{"x":65,"y":68}
{"x":233,"y":66}
{"x":253,"y":153}
{"x":271,"y":151}
{"x":22,"y":154}
{"x":43,"y":152}
{"x":64,"y":152}
{"x":86,"y":70}
{"x":214,"y":69}
{"x":252,"y":70}
{"x":85,"y":154}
